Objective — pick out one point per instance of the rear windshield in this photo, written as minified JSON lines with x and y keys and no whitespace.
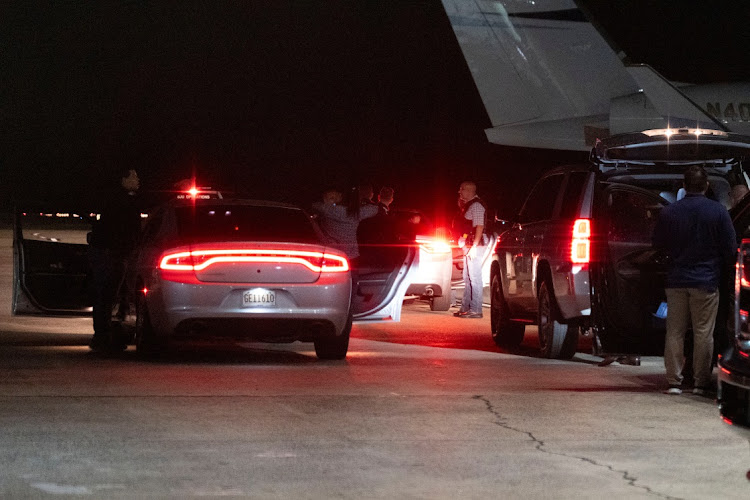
{"x":206,"y":223}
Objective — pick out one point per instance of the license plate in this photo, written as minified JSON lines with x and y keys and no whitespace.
{"x":259,"y":297}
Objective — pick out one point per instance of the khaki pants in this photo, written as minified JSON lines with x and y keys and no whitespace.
{"x":686,"y":306}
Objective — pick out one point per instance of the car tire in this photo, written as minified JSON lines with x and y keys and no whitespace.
{"x":146,"y":341}
{"x":442,"y":303}
{"x":557,"y":340}
{"x":334,"y":348}
{"x":505,"y":332}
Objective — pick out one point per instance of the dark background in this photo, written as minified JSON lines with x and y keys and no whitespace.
{"x":280,"y":100}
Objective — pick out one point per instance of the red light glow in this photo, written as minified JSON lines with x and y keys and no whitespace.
{"x":434,"y":245}
{"x":580,"y":246}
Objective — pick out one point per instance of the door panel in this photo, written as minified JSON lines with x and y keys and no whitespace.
{"x":380,"y":283}
{"x":50,"y":264}
{"x":629,"y":275}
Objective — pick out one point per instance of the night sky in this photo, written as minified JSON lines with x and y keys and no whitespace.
{"x":276,"y":101}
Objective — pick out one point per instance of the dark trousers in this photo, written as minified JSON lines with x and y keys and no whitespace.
{"x":107,"y":273}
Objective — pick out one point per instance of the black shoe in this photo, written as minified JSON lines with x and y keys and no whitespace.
{"x":99,"y":344}
{"x":459,"y":314}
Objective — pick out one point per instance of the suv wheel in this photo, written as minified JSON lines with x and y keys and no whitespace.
{"x":505,"y":332}
{"x":442,"y":303}
{"x":557,"y":340}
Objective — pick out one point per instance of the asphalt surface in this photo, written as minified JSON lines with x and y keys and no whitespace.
{"x":424,"y":408}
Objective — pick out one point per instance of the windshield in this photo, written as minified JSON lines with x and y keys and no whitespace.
{"x":244,"y":223}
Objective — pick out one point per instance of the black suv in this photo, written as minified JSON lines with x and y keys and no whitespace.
{"x":578,"y":257}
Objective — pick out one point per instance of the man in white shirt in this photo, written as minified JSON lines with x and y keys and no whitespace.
{"x":474,"y":242}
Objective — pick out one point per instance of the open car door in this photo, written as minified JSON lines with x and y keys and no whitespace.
{"x":50,"y":264}
{"x":384,"y":272}
{"x":627,"y":274}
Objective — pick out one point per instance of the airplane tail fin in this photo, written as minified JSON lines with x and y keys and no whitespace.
{"x":550,"y":79}
{"x":670,"y":102}
{"x":538,"y":63}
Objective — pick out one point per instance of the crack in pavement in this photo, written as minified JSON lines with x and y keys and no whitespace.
{"x":539,"y":445}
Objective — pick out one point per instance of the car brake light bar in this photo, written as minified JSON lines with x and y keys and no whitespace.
{"x":198,"y":260}
{"x":580,"y":245}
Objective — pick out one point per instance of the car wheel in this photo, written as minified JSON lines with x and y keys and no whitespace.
{"x":442,"y":303}
{"x":146,"y":341}
{"x":557,"y":340}
{"x":505,"y":332}
{"x":334,"y":347}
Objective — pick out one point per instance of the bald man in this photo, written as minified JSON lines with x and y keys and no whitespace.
{"x":472,"y":225}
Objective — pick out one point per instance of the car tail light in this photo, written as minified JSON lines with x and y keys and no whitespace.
{"x":434,"y":245}
{"x":580,"y":246}
{"x":179,"y":265}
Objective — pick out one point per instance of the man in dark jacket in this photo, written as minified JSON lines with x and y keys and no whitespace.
{"x":113,"y":238}
{"x":699,"y":239}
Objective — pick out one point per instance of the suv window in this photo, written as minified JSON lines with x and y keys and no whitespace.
{"x":632,"y":216}
{"x":572,"y":195}
{"x":541,"y":201}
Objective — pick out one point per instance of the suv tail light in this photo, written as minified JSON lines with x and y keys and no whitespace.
{"x":580,"y":245}
{"x":180,"y":264}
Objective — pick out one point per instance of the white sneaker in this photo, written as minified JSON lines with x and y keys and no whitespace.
{"x":674,"y":391}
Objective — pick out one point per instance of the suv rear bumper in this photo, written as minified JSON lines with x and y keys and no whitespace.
{"x":572,"y":291}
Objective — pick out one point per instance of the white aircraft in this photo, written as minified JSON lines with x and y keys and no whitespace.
{"x":549,"y":79}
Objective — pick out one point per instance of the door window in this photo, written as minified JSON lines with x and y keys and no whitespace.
{"x":632,"y":216}
{"x":540,"y":204}
{"x":572,"y":195}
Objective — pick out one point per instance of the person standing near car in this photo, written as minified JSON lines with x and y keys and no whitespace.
{"x":385,"y":198}
{"x":340,"y":222}
{"x":365,"y":194}
{"x":473,"y":241}
{"x":699,"y":240}
{"x":112,"y":239}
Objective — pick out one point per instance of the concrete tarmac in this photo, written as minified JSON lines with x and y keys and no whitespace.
{"x":425,"y":408}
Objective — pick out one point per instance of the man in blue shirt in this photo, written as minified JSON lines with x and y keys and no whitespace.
{"x":699,"y":239}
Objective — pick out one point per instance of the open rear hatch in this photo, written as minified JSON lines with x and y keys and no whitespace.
{"x":672,"y":146}
{"x":645,"y":172}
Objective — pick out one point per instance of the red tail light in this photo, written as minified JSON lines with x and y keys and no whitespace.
{"x":580,"y":246}
{"x":174,"y":263}
{"x":434,"y":245}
